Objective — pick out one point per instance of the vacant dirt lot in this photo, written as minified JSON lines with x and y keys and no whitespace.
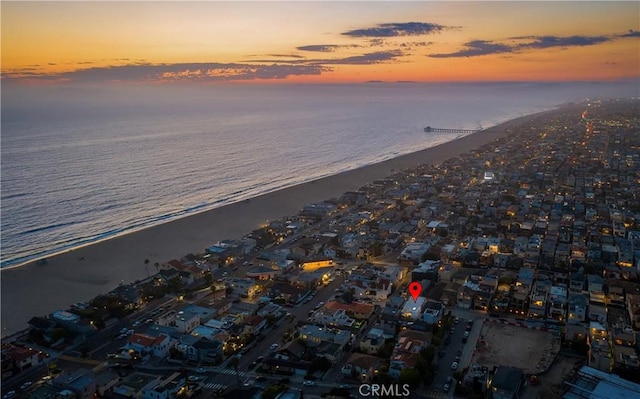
{"x":532,"y":351}
{"x":552,"y":382}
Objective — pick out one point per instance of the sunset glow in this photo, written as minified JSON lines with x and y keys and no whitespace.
{"x":321,"y":42}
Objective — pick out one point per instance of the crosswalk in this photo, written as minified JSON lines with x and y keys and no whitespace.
{"x":216,"y":386}
{"x":232,"y":372}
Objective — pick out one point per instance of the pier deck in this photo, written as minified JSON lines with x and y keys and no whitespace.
{"x":430,"y":129}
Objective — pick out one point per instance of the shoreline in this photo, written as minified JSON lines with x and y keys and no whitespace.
{"x":81,"y":273}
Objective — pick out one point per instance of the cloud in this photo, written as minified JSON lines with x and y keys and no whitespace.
{"x":377,"y":57}
{"x":631,"y":33}
{"x":366,"y":59}
{"x":286,"y":55}
{"x":542,"y":42}
{"x":396,"y":29}
{"x":323,"y":48}
{"x":177,"y":72}
{"x":410,"y":45}
{"x":477,"y":48}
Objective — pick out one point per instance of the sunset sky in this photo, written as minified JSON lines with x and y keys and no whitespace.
{"x":320,"y":42}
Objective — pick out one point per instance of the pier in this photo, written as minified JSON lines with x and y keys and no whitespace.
{"x":430,"y":129}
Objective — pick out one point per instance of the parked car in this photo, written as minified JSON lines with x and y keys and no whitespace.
{"x":25,"y":385}
{"x":9,"y":395}
{"x":447,"y":384}
{"x":454,"y":366}
{"x":308,"y":383}
{"x":274,"y":346}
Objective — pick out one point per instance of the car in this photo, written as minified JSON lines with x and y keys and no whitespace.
{"x":452,"y":331}
{"x":9,"y":395}
{"x":447,"y":384}
{"x":457,"y":359}
{"x":459,"y":353}
{"x":464,"y":340}
{"x":456,"y":321}
{"x":447,"y":340}
{"x":136,"y":323}
{"x":441,"y":354}
{"x":201,"y":370}
{"x":308,"y":383}
{"x":124,"y":330}
{"x":45,"y":378}
{"x":25,"y":385}
{"x":274,"y":346}
{"x":259,"y":359}
{"x":466,"y":334}
{"x":454,"y":366}
{"x":194,"y":378}
{"x":345,"y":386}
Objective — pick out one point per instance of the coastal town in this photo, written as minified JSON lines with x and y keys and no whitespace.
{"x":526,"y":252}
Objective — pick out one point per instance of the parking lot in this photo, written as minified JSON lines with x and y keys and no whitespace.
{"x":531,"y":350}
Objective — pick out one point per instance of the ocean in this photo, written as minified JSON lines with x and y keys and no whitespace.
{"x":82,"y":164}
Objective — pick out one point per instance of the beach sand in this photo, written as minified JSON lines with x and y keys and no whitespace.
{"x":81,"y":274}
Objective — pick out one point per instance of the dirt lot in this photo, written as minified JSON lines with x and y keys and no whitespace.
{"x":532,"y":351}
{"x":552,"y":383}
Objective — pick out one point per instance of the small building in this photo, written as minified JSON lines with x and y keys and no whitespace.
{"x":413,"y":309}
{"x":506,"y":383}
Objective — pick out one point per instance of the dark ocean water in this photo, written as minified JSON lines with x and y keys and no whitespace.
{"x":80,"y":165}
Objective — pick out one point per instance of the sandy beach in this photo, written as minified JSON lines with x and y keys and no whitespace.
{"x":81,"y":274}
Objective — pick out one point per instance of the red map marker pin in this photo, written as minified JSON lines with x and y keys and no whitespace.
{"x":415,"y":289}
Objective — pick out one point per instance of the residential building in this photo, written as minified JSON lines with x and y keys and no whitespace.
{"x":413,"y":309}
{"x":82,"y":382}
{"x":506,"y":383}
{"x":163,"y":388}
{"x":577,"y":308}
